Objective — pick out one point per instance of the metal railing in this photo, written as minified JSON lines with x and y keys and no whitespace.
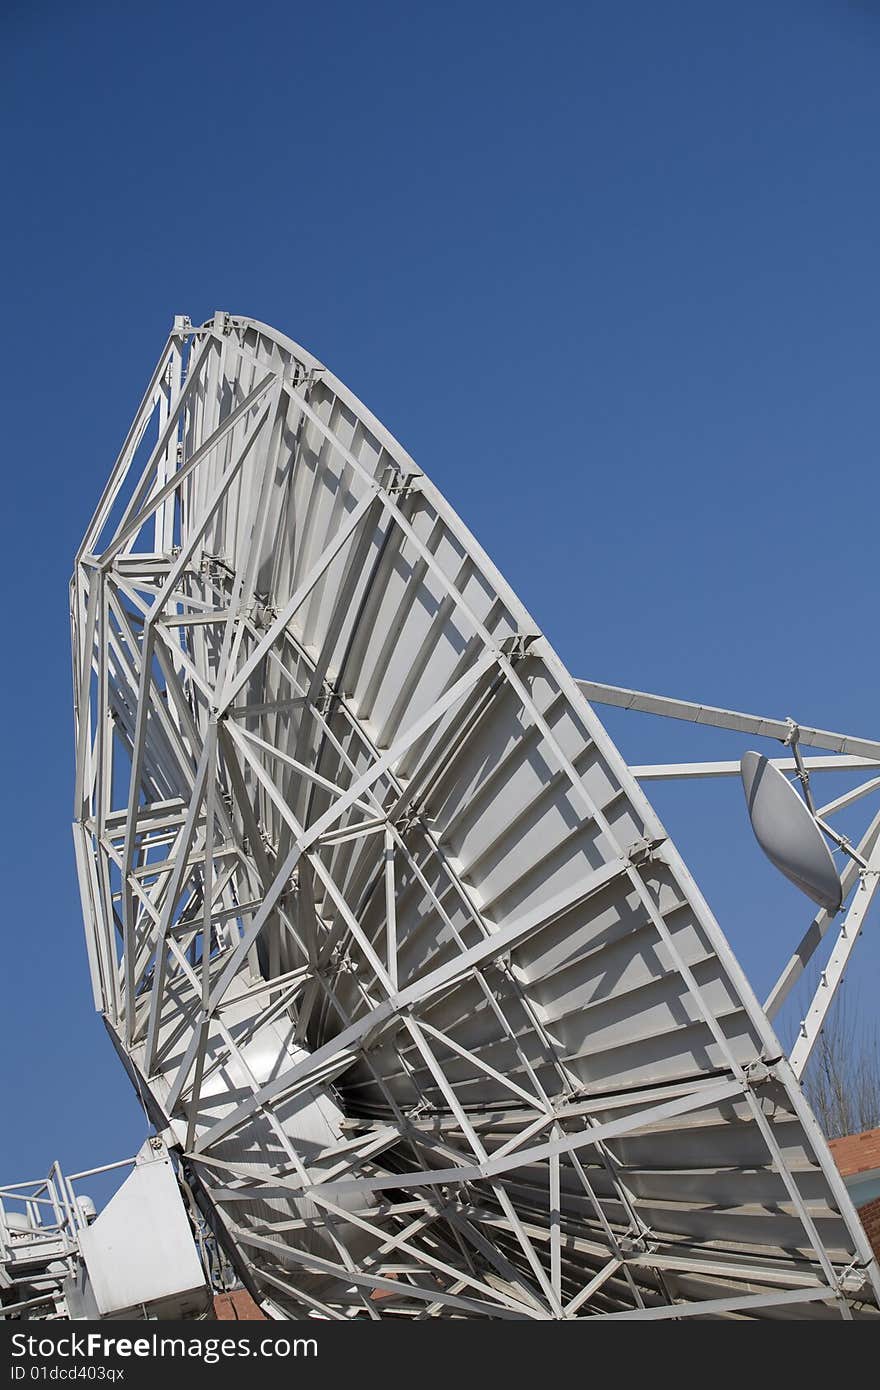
{"x":41,"y":1249}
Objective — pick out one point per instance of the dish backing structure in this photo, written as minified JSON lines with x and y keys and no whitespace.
{"x":387,"y":935}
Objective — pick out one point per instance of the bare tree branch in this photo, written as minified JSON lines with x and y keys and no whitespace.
{"x":842,"y":1081}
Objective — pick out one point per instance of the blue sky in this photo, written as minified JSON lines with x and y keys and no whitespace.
{"x":607,"y":270}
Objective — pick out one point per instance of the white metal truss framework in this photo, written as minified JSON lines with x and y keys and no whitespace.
{"x":40,"y":1224}
{"x":384,"y":929}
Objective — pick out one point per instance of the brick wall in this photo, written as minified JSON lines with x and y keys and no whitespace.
{"x":860,"y":1153}
{"x":857,"y":1153}
{"x":870,"y":1214}
{"x":237,"y":1306}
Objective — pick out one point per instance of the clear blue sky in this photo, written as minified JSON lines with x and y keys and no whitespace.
{"x":608,"y":270}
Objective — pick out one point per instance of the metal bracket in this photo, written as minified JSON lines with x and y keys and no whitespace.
{"x":517,"y":645}
{"x":854,"y":1280}
{"x":757,"y":1073}
{"x":399,"y":484}
{"x":644,"y":851}
{"x":325,"y":701}
{"x":635,"y":1245}
{"x":412,"y":818}
{"x":263,"y":614}
{"x":793,"y":742}
{"x":213,"y":567}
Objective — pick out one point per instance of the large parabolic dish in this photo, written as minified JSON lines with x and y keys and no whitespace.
{"x":385,"y":931}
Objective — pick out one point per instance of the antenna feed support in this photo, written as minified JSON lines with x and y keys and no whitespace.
{"x":792,"y":741}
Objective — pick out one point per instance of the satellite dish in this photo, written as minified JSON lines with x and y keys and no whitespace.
{"x":787,"y":833}
{"x":378,"y":918}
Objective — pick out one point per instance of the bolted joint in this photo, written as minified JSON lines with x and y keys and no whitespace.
{"x":516,"y":647}
{"x":854,"y":1281}
{"x":635,"y":1245}
{"x":412,"y":818}
{"x":757,"y":1073}
{"x":644,"y":851}
{"x":263,"y":614}
{"x":326,"y":701}
{"x":396,"y":483}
